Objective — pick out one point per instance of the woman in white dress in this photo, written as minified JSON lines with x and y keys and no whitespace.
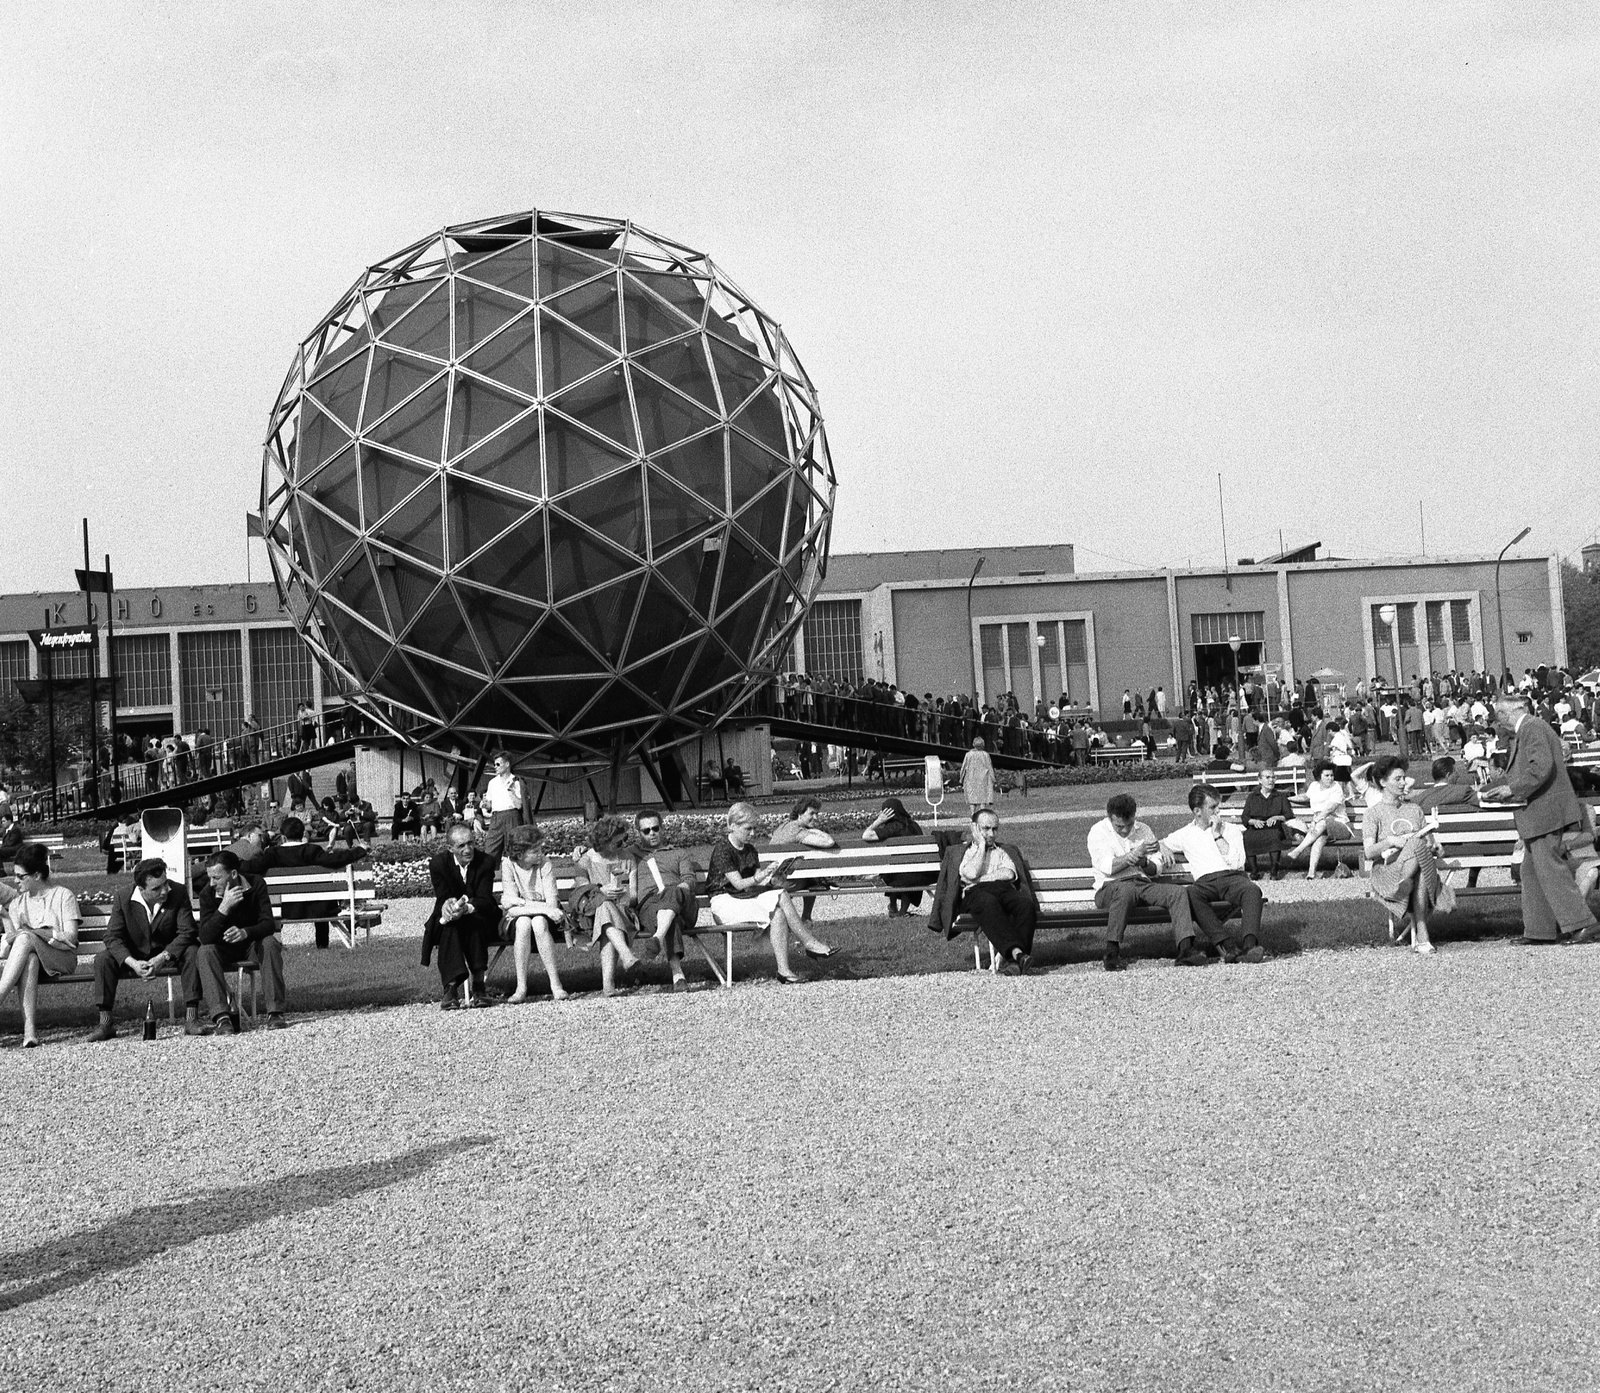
{"x":41,"y":937}
{"x":1329,"y":822}
{"x":531,"y":909}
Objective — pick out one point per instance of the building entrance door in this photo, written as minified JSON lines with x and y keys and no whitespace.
{"x":1213,"y":662}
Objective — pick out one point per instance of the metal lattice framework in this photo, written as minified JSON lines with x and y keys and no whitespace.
{"x":545,"y":483}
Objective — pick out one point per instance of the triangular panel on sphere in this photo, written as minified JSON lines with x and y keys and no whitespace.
{"x":663,"y":674}
{"x":510,"y":268}
{"x":740,"y":376}
{"x":762,"y":520}
{"x":762,"y":418}
{"x":647,"y":319}
{"x":511,"y":358}
{"x":614,"y":507}
{"x":751,"y":470}
{"x":500,"y":624}
{"x":319,"y":436}
{"x":675,"y":513}
{"x":478,"y":411}
{"x":335,"y":487}
{"x":417,"y":428}
{"x":663,"y":620}
{"x":480,"y":312}
{"x":340,"y":391}
{"x":594,"y":309}
{"x":553,"y":651}
{"x":601,"y":404}
{"x":742,"y":571}
{"x":692,"y":573}
{"x":601,"y":617}
{"x":684,"y":293}
{"x":478,"y":515}
{"x":701,"y":465}
{"x":683,"y":365}
{"x":514,"y":564}
{"x":386,"y":307}
{"x":574,"y":457}
{"x":405,"y":587}
{"x":416,"y":527}
{"x":387,"y":480}
{"x":426,"y":329}
{"x":394,"y":378}
{"x":509,"y":459}
{"x":442,"y":630}
{"x":558,"y":703}
{"x":569,"y":356}
{"x":665,"y":416}
{"x":562,"y":267}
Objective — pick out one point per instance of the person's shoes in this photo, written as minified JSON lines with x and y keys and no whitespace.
{"x":650,"y":948}
{"x":1229,"y":950}
{"x":105,"y":1030}
{"x":1342,"y":871}
{"x":1588,"y":935}
{"x":1538,"y":942}
{"x":1113,"y":959}
{"x":789,"y":981}
{"x":193,"y":1025}
{"x":223,"y":1025}
{"x":275,"y":1021}
{"x":1254,"y":954}
{"x":451,"y":1000}
{"x":819,"y":953}
{"x":1194,"y":957}
{"x":30,"y":1042}
{"x":1277,"y":873}
{"x":680,"y":984}
{"x":1422,"y":948}
{"x":1010,"y":968}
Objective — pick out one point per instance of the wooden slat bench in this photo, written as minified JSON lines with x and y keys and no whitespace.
{"x":201,"y":841}
{"x":352,"y":888}
{"x":92,"y":929}
{"x":1291,"y":779}
{"x":1118,"y":754}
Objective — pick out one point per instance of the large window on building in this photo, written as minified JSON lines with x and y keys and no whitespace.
{"x":1214,"y":664}
{"x":1041,"y":658}
{"x":833,"y":641}
{"x":280,"y":674}
{"x":13,"y":664}
{"x":144,"y":669}
{"x":1427,"y":634}
{"x":211,"y":675}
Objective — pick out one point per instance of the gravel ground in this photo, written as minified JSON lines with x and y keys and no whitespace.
{"x":1356,"y":1170}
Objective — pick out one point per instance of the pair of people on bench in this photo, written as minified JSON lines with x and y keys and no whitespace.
{"x":152,"y":927}
{"x":1129,"y":861}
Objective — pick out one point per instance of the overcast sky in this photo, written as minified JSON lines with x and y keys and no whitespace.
{"x":1052,"y":267}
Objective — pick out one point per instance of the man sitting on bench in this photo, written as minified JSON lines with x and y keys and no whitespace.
{"x":292,"y":850}
{"x":1125,"y":855}
{"x":236,"y":923}
{"x":1214,"y":851}
{"x":151,"y":926}
{"x":989,"y":880}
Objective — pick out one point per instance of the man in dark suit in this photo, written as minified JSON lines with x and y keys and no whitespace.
{"x":236,"y":923}
{"x":465,"y":917}
{"x":990,"y":880}
{"x":151,"y":928}
{"x":293,"y":851}
{"x":1446,"y":792}
{"x":1536,"y":775}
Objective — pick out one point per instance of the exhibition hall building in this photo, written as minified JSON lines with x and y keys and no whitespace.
{"x":204,"y":657}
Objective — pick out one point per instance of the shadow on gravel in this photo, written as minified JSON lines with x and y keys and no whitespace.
{"x":149,"y":1230}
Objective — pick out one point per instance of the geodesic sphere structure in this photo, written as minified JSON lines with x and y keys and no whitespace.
{"x":546,"y":482}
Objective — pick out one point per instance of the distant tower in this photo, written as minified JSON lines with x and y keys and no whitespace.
{"x":1591,"y":559}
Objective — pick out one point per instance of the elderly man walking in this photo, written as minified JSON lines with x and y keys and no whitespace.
{"x":977,"y":777}
{"x":1536,"y":774}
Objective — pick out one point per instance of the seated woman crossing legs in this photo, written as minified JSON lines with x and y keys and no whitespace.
{"x":742,"y":892}
{"x":1329,"y":821}
{"x":531,"y":908}
{"x":602,"y":902}
{"x":1404,"y":870}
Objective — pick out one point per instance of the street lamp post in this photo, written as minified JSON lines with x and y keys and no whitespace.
{"x":1499,"y":616}
{"x":1234,"y":642}
{"x":970,"y":580}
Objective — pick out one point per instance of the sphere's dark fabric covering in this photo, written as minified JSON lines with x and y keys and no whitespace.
{"x":544,"y":481}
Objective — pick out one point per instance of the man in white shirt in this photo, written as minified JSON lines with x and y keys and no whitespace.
{"x":1125,"y":855}
{"x":502,"y":801}
{"x":1214,"y":852}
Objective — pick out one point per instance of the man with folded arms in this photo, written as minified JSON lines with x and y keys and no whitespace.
{"x":236,"y":924}
{"x":1214,"y":852}
{"x":989,"y":880}
{"x":151,"y":928}
{"x":1125,"y":855}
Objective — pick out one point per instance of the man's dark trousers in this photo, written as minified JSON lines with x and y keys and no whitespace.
{"x":215,"y":959}
{"x":1237,"y":889}
{"x":108,"y":972}
{"x":1005,"y":914}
